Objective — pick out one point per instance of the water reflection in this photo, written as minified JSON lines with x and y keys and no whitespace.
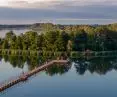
{"x":58,"y":69}
{"x":16,"y":31}
{"x":69,"y":84}
{"x":97,"y":65}
{"x":19,"y":61}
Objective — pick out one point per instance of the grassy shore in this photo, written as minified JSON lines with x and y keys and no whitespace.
{"x":72,"y":54}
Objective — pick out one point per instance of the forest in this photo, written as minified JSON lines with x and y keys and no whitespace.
{"x":50,"y":37}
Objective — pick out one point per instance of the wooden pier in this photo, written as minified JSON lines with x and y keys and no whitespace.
{"x":25,"y":76}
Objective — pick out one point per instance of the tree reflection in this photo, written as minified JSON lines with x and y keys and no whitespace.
{"x":19,"y":61}
{"x":58,"y":69}
{"x":15,"y":61}
{"x":96,"y":65}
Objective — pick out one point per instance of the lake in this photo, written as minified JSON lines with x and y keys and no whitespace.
{"x":95,"y":77}
{"x":16,"y":31}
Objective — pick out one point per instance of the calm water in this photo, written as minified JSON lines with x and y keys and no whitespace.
{"x":81,"y":78}
{"x":16,"y":31}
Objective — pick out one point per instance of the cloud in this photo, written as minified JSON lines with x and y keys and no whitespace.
{"x":54,"y":3}
{"x":36,"y":10}
{"x":84,"y":12}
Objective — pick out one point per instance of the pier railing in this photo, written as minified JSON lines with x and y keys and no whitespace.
{"x":24,"y":76}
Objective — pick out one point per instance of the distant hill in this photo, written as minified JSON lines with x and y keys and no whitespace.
{"x":51,"y":26}
{"x":14,"y":26}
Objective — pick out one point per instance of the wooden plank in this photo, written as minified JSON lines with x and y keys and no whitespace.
{"x":25,"y":76}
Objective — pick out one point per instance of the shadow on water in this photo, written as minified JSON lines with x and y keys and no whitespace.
{"x":99,"y":65}
{"x":33,"y":61}
{"x":58,"y":69}
{"x":20,"y":61}
{"x":95,"y":65}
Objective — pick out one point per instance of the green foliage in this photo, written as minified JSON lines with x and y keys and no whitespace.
{"x":64,"y":38}
{"x":5,"y":44}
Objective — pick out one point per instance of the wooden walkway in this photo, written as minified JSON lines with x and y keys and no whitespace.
{"x":25,"y":76}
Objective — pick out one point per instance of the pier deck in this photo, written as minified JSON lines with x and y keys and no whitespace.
{"x":25,"y":76}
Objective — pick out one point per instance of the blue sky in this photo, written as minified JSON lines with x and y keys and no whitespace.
{"x":58,"y":11}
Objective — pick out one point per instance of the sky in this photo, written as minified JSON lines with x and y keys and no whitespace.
{"x":58,"y":11}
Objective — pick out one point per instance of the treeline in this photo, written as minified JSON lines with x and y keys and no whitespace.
{"x":14,"y":26}
{"x":64,"y":38}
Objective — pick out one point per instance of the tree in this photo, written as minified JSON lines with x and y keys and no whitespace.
{"x":80,"y":40}
{"x":40,"y":42}
{"x":50,"y":40}
{"x":19,"y":43}
{"x":60,"y":45}
{"x":5,"y":44}
{"x":69,"y":45}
